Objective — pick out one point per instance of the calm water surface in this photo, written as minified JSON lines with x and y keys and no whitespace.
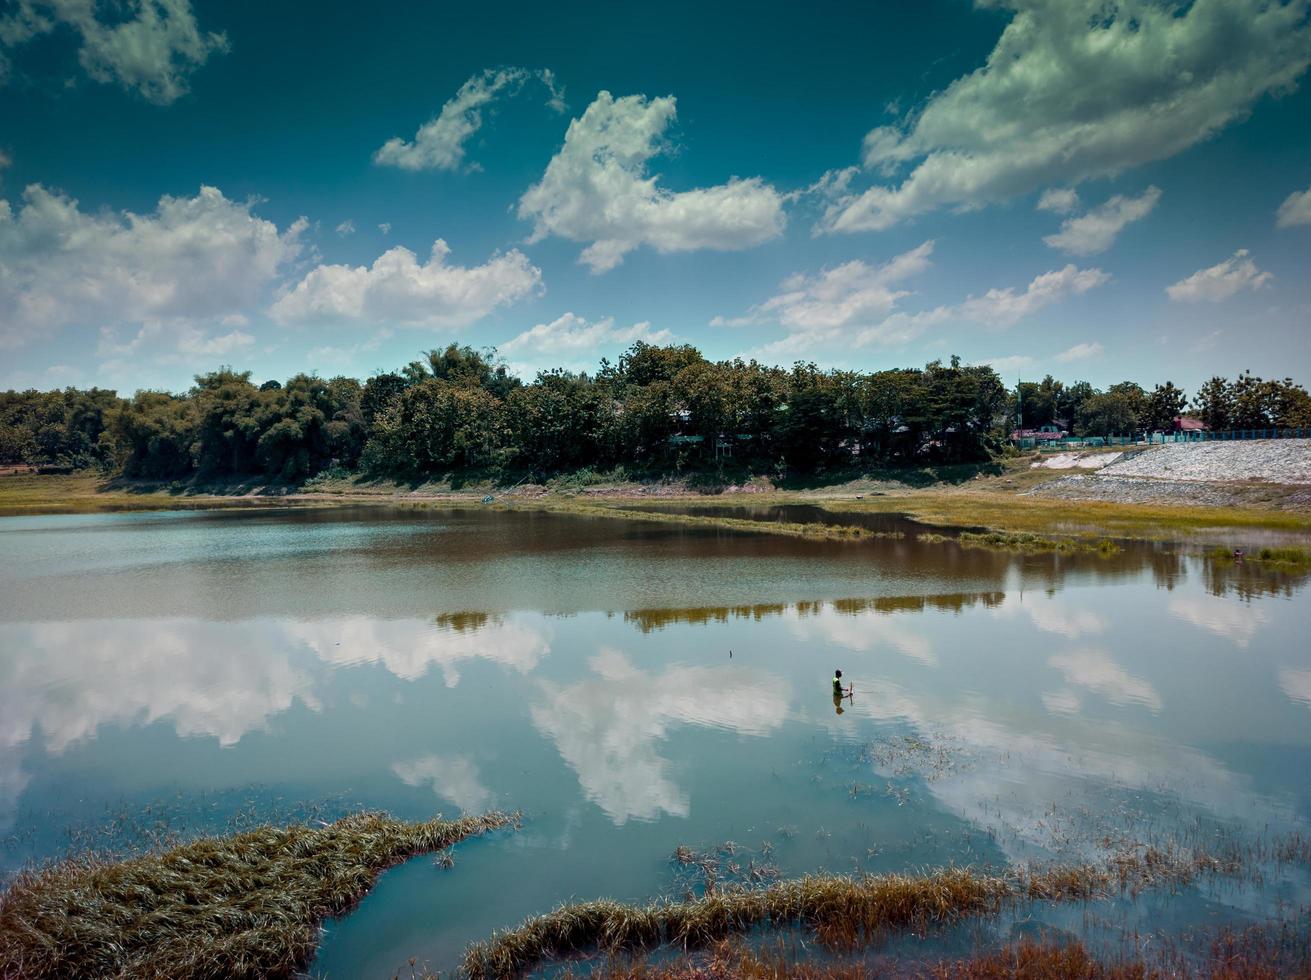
{"x":179,"y":671}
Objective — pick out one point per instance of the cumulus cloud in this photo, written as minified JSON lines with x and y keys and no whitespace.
{"x":1096,"y":231}
{"x":1059,"y":200}
{"x":1167,"y":77}
{"x":596,"y":189}
{"x":1296,"y":209}
{"x":346,"y":228}
{"x":1220,"y":281}
{"x":194,"y":259}
{"x":440,"y":143}
{"x":397,"y":289}
{"x":574,"y":342}
{"x":152,"y":50}
{"x":1080,"y":352}
{"x":1003,"y":307}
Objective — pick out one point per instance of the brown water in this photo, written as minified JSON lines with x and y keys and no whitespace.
{"x":173,"y":671}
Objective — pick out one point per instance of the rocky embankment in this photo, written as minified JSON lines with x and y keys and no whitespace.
{"x":1271,"y":473}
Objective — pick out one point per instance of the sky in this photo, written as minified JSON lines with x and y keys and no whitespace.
{"x":1099,"y":190}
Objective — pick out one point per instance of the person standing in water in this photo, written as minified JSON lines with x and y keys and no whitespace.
{"x":838,"y":692}
{"x":837,"y":685}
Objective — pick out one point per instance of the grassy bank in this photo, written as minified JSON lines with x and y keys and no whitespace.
{"x":242,"y":906}
{"x":92,"y":493}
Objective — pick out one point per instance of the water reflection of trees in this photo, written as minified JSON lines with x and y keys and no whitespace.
{"x":649,"y":620}
{"x":1250,"y":580}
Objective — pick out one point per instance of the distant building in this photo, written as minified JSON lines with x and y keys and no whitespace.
{"x":1046,"y":433}
{"x":1182,"y":423}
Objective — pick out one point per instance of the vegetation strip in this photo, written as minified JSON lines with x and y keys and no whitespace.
{"x":1024,"y":542}
{"x":839,"y":532}
{"x":844,"y":912}
{"x":234,"y":907}
{"x":1287,"y":557}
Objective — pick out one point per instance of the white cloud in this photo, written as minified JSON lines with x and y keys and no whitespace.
{"x":1052,"y":617}
{"x":409,"y":648}
{"x":861,"y":633}
{"x":1231,"y":620}
{"x":1296,"y":684}
{"x":596,"y":189}
{"x":608,"y":727}
{"x":1220,"y":281}
{"x":1096,"y":231}
{"x":454,"y":778}
{"x":1166,"y":77}
{"x":194,"y":259}
{"x":1095,"y":671}
{"x":1296,"y":209}
{"x":852,"y":302}
{"x":385,"y":228}
{"x":153,"y":50}
{"x":1062,"y":702}
{"x":396,"y":289}
{"x":1080,"y":352}
{"x":1059,"y":200}
{"x":346,"y":228}
{"x":1003,"y":307}
{"x":572,"y":342}
{"x":439,"y":143}
{"x":1011,"y":362}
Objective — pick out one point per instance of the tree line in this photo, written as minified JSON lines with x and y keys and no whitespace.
{"x":658,"y":409}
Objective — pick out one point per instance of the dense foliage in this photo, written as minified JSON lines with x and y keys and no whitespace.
{"x":658,"y":409}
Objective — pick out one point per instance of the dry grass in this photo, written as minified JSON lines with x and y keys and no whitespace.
{"x":248,"y":905}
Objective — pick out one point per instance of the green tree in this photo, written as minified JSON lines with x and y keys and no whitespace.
{"x":1164,"y":405}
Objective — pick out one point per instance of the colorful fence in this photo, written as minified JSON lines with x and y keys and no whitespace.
{"x":1158,"y":438}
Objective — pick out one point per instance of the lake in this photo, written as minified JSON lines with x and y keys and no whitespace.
{"x":633,"y":687}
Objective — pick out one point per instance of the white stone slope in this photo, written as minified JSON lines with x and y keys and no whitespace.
{"x":1286,"y":461}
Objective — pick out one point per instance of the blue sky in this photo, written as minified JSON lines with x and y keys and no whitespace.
{"x":1104,"y":191}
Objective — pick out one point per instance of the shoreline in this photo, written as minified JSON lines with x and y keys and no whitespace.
{"x":1000,"y":503}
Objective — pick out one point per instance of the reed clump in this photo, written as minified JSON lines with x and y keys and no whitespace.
{"x":843,"y":912}
{"x":247,"y":905}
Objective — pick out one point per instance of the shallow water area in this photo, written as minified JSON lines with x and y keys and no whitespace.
{"x":636,"y":686}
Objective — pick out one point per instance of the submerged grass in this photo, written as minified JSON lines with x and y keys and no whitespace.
{"x":248,"y":905}
{"x":844,"y":913}
{"x":1266,"y":952}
